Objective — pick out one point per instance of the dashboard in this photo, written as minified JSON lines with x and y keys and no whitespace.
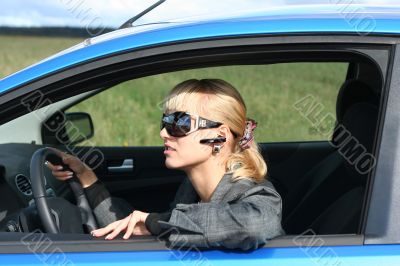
{"x":15,"y":182}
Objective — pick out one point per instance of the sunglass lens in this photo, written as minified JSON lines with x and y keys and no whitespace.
{"x":182,"y":125}
{"x":177,"y":124}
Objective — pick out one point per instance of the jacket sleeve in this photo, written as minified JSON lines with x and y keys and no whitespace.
{"x":96,"y":193}
{"x":245,"y":223}
{"x":105,"y":208}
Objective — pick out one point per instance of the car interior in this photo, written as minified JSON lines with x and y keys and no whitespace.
{"x":322,"y":183}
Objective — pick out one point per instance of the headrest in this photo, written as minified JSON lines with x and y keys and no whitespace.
{"x":359,"y":123}
{"x":361,"y":120}
{"x":351,"y":92}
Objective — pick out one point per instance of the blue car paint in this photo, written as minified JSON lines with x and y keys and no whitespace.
{"x":259,"y":25}
{"x":273,"y":23}
{"x":371,"y":255}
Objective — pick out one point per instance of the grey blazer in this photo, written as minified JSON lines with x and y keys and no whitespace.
{"x":241,"y":214}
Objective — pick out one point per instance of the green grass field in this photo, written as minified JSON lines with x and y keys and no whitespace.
{"x":17,"y":52}
{"x":129,"y":113}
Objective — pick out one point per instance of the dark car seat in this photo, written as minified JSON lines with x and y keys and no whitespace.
{"x":329,"y":197}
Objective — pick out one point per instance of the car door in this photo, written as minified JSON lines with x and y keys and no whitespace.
{"x":304,"y":247}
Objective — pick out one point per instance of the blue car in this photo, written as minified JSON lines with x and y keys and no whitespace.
{"x":325,"y":79}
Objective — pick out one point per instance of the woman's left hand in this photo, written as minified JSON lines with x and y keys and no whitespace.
{"x":134,"y":224}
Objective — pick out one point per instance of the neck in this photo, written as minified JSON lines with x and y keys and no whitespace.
{"x":205,"y":178}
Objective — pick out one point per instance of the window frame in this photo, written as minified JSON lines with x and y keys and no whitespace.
{"x":381,"y":220}
{"x":80,"y":78}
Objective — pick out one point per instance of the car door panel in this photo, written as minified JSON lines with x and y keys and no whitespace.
{"x":146,"y":183}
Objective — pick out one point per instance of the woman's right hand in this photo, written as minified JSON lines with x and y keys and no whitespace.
{"x":133,"y":224}
{"x":83,"y":172}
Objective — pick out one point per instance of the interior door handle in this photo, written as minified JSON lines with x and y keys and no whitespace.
{"x":127,"y":166}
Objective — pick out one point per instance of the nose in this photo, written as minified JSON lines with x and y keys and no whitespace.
{"x":164,"y":134}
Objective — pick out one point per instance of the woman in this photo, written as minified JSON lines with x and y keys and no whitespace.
{"x":225,"y":201}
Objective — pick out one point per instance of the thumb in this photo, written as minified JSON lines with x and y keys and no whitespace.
{"x":67,"y":159}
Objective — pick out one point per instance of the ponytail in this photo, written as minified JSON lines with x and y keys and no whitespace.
{"x":247,"y":163}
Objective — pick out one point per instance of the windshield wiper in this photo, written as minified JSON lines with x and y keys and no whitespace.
{"x":129,"y":22}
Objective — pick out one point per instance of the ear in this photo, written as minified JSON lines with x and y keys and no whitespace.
{"x":223,"y":131}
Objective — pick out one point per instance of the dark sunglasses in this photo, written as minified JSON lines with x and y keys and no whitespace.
{"x":179,"y":124}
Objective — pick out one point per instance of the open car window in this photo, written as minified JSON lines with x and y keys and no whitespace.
{"x":129,"y":113}
{"x":297,"y":109}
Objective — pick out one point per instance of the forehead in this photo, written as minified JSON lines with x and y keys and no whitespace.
{"x":192,"y":103}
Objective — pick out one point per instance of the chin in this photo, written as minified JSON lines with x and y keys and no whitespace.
{"x":172,"y":165}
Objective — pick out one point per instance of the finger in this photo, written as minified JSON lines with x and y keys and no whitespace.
{"x":66,"y":158}
{"x":62,"y":175}
{"x":138,"y":230}
{"x":64,"y":178}
{"x":57,"y":152}
{"x":131,"y":227}
{"x":141,"y":230}
{"x":61,"y":154}
{"x":105,"y":230}
{"x":52,"y":166}
{"x":72,"y":161}
{"x":122,"y":225}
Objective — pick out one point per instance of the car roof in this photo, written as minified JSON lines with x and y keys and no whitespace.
{"x":312,"y":19}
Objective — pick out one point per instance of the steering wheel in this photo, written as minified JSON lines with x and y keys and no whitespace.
{"x":39,"y":192}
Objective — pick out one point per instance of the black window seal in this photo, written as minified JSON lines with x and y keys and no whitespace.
{"x":19,"y":243}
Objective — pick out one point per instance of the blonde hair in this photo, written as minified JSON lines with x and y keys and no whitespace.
{"x":218,"y":100}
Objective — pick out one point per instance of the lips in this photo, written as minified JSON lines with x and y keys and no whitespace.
{"x":168,"y":148}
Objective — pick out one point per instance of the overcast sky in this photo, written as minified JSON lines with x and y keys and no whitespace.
{"x":112,"y":13}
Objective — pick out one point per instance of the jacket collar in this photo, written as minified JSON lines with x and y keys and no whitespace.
{"x":222,"y":188}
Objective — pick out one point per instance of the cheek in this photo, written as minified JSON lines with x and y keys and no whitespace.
{"x":193,"y":146}
{"x":190,"y":152}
